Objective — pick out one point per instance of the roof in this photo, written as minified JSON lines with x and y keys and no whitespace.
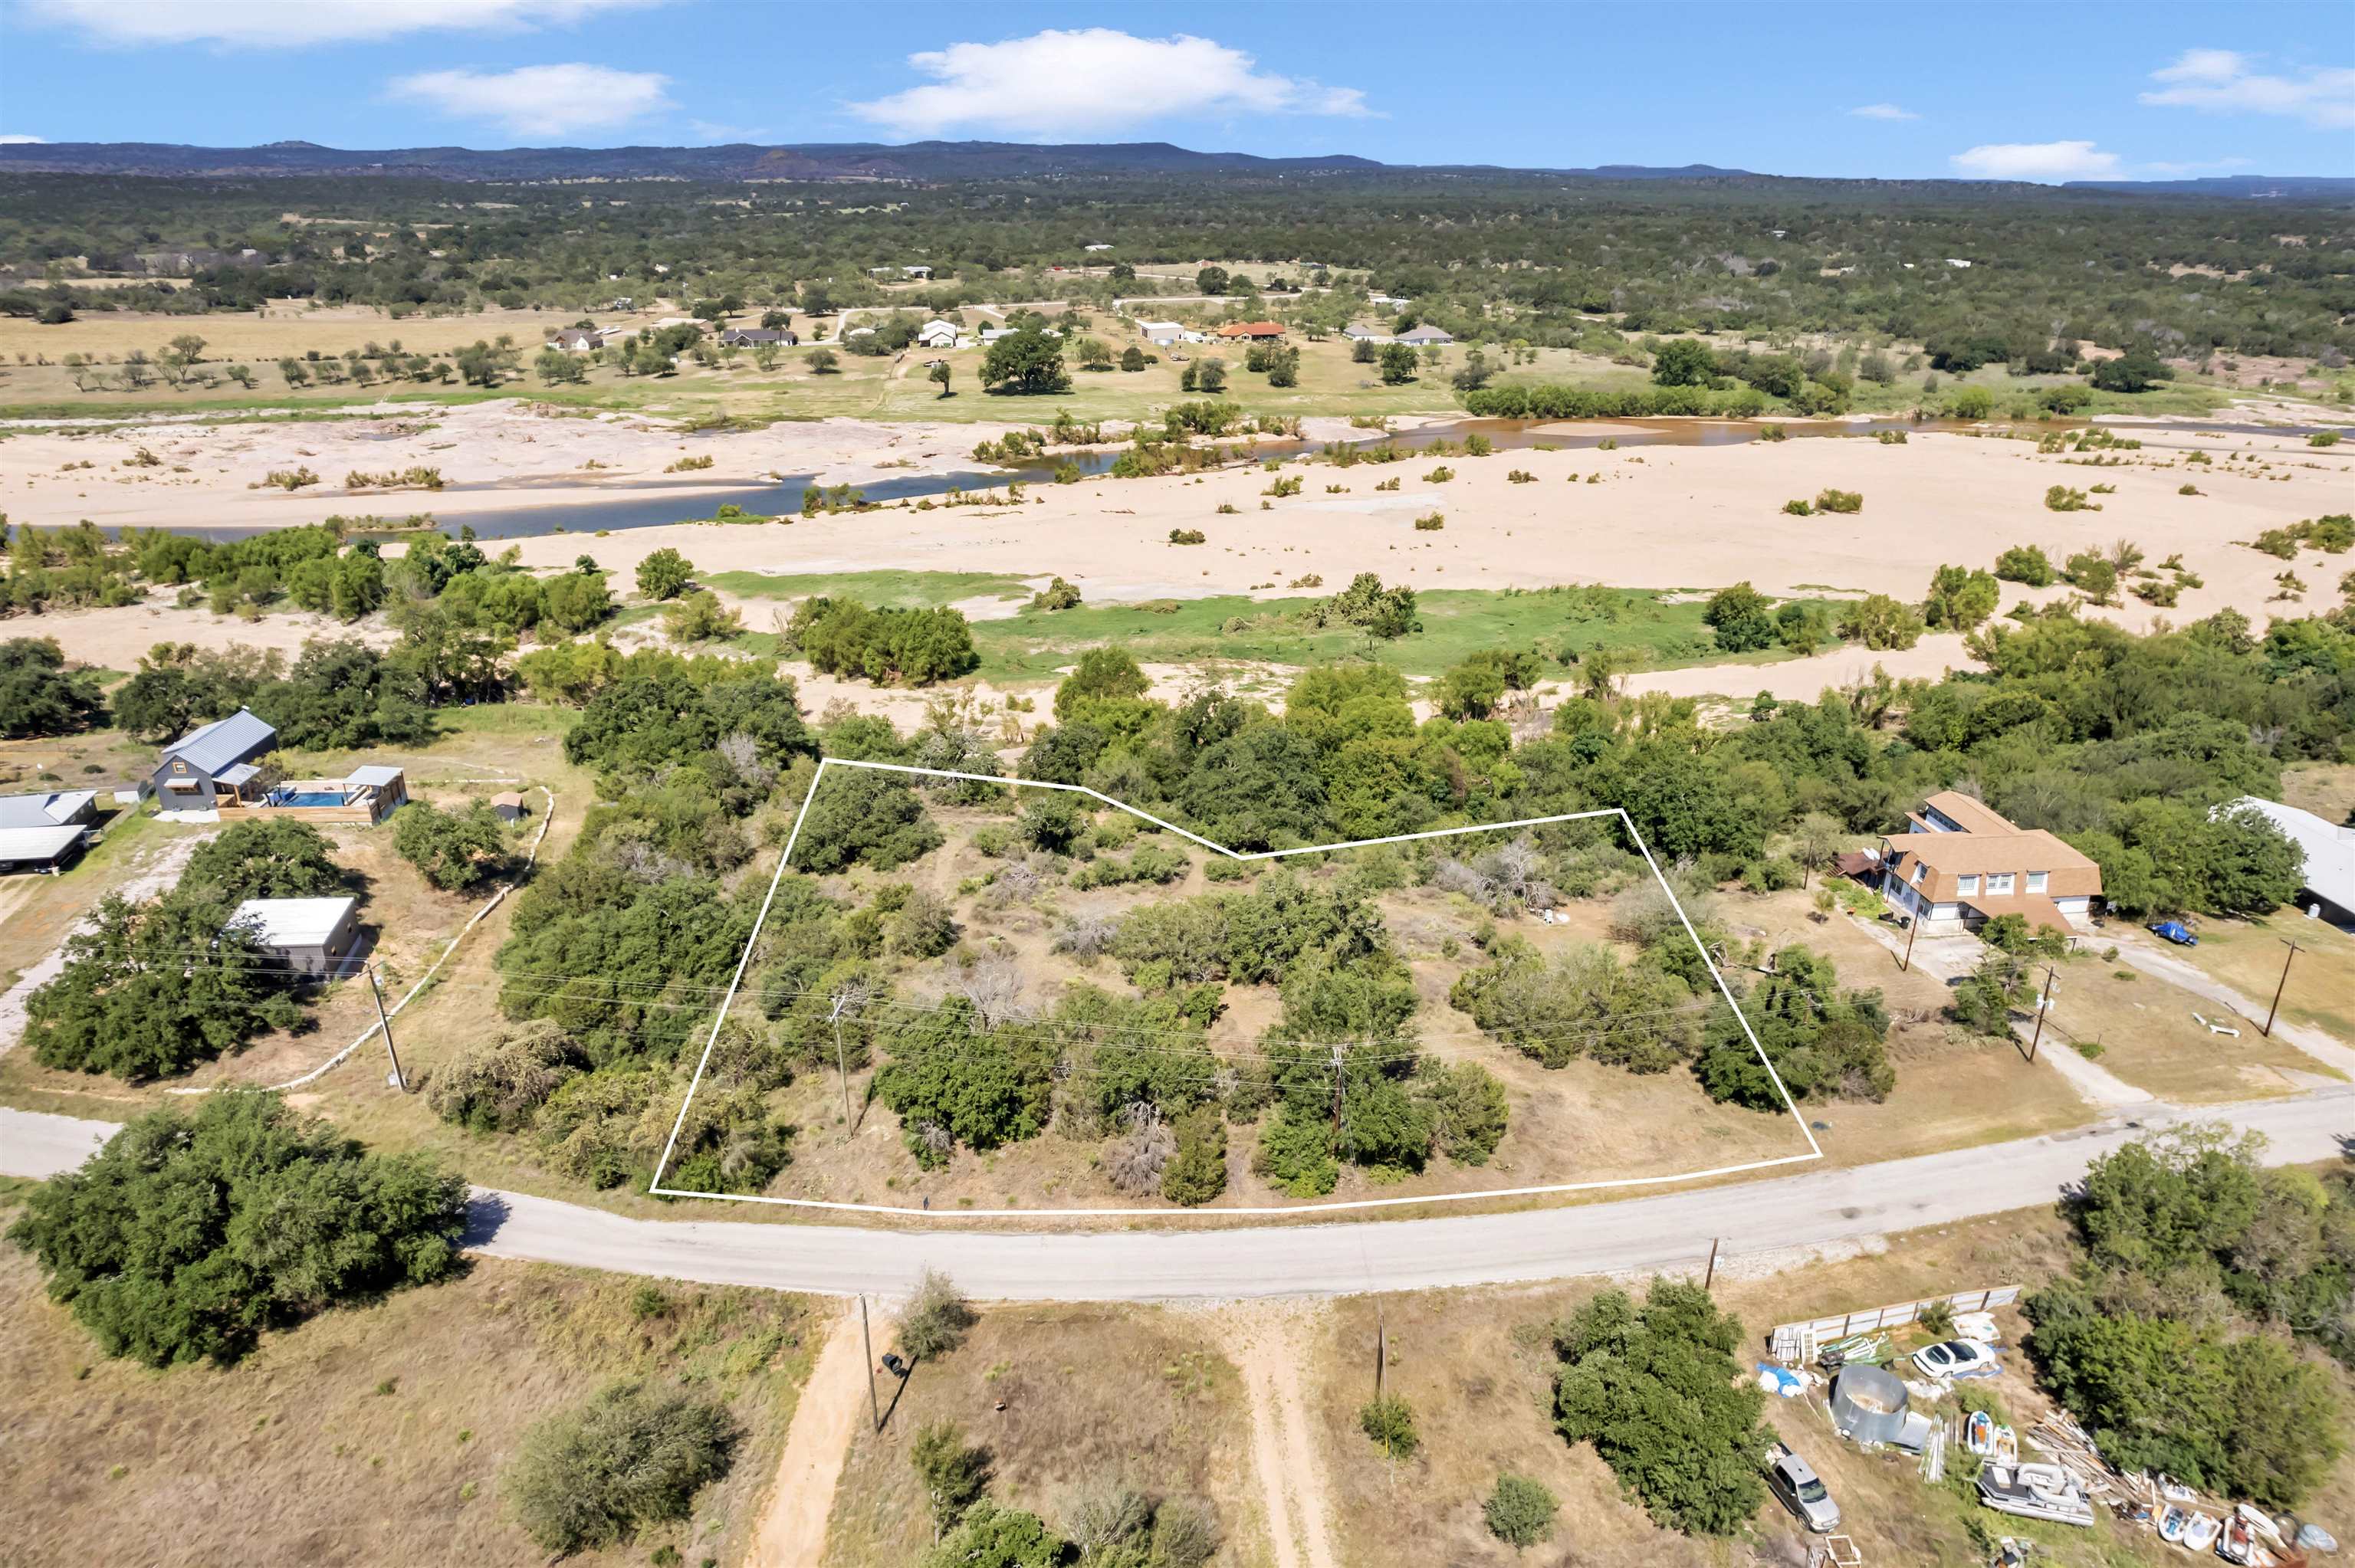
{"x":375,"y":773}
{"x":43,"y":808}
{"x":512,"y":797}
{"x":1974,"y":816}
{"x":244,"y":772}
{"x":293,"y":922}
{"x":1946,"y":858}
{"x":1252,"y":329}
{"x":38,"y":843}
{"x":2330,"y":849}
{"x":1361,"y":329}
{"x":2033,"y":907}
{"x":1158,"y":326}
{"x":216,"y":746}
{"x":1426,"y":334}
{"x":936,"y":324}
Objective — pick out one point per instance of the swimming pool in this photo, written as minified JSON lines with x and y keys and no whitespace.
{"x":306,"y":798}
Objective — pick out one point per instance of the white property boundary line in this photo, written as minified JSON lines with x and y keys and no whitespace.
{"x":784,"y":859}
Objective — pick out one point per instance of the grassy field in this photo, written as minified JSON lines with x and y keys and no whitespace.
{"x":374,"y":1435}
{"x":2248,"y":955}
{"x":1658,"y":630}
{"x":1060,"y":1396}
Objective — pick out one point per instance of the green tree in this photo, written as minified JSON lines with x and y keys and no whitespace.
{"x":632,"y":1456}
{"x":38,"y":695}
{"x":1657,"y":1390}
{"x":1103,"y":674}
{"x":1684,"y":362}
{"x":1879,"y":623}
{"x":1742,"y":616}
{"x":1212,"y":281}
{"x":189,"y":1235}
{"x":455,"y":851}
{"x":151,"y":989}
{"x":862,"y":815}
{"x":1398,"y":363}
{"x":1027,"y":363}
{"x":665,"y":574}
{"x":1210,"y":377}
{"x":940,"y":377}
{"x":989,"y":1536}
{"x":1132,"y":358}
{"x":937,"y":1317}
{"x":267,"y":859}
{"x":954,"y":1472}
{"x":1389,"y":1422}
{"x":824,"y":362}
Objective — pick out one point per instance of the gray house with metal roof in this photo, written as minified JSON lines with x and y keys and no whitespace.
{"x":214,"y":760}
{"x":43,"y":830}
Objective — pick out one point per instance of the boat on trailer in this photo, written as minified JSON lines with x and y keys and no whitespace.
{"x":2035,"y":1491}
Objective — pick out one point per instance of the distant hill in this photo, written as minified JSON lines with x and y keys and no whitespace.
{"x":2280,"y":188}
{"x":930,"y":161}
{"x":738,"y":161}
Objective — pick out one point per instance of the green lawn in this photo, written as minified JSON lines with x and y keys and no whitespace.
{"x":892,"y":589}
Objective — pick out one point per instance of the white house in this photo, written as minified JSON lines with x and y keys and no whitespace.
{"x":938,"y":333}
{"x":1425,"y":334}
{"x":1956,"y":261}
{"x":1365,"y":332}
{"x":1161,"y":332}
{"x":1098,"y":247}
{"x":915,"y":271}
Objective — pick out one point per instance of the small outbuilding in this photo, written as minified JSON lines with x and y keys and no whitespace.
{"x":510,"y":807}
{"x":309,"y":935}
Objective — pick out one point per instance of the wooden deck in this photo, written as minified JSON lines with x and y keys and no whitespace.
{"x":362,"y":815}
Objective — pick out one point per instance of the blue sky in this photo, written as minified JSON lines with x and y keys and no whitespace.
{"x":2140,"y":91}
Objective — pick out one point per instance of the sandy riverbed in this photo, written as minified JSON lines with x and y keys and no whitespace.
{"x":1665,"y":517}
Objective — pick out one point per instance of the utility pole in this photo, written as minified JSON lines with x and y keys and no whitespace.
{"x":1709,"y":1279}
{"x":2294,"y":950}
{"x":867,"y":1336}
{"x":841,"y":1065}
{"x":384,"y":1022}
{"x":2043,"y":1003}
{"x":1911,"y":931}
{"x":1336,"y":1092}
{"x":1381,"y":1351}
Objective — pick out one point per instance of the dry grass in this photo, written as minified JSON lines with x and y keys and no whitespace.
{"x":1060,"y":1396}
{"x":2146,"y":1034}
{"x":1478,"y":1365}
{"x":2247,"y":954}
{"x":369,"y":1436}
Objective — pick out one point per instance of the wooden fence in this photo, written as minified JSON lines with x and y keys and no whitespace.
{"x":1794,"y":1344}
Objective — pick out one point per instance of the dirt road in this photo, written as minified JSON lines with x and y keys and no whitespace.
{"x":155,"y":872}
{"x":1268,"y":1345}
{"x":793,"y":1530}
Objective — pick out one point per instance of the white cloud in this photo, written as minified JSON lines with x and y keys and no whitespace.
{"x":541,"y":100}
{"x":1884,"y":111}
{"x":287,"y":24}
{"x":2036,"y":161}
{"x":22,"y":140}
{"x":1090,"y":81}
{"x":2225,"y":81}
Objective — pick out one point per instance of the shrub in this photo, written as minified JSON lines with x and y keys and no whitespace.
{"x":496,"y":1084}
{"x":936,"y":1319}
{"x":1186,"y":536}
{"x":2061,"y":498}
{"x":1056,"y":595}
{"x":1798,"y":508}
{"x":631,"y":1456}
{"x":455,"y":851}
{"x":665,"y":574}
{"x":954,"y":1472}
{"x":38,"y":695}
{"x":2025,"y":564}
{"x":1431,"y":523}
{"x":914,"y":646}
{"x":187,"y":1236}
{"x":1197,"y":1172}
{"x":264,"y":860}
{"x":863,"y":815}
{"x":1389,"y":1422}
{"x":1840,"y":500}
{"x":1741,"y":617}
{"x":1519,"y":1511}
{"x":1879,"y":623}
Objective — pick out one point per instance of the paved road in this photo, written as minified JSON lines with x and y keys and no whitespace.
{"x":1635,"y":1234}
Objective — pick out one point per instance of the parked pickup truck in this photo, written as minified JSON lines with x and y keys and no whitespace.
{"x":1792,"y":1480}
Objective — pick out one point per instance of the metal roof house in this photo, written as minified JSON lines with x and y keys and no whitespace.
{"x":2329,"y":851}
{"x":1419,"y":337}
{"x":214,"y":763}
{"x":45,"y":830}
{"x":309,"y":935}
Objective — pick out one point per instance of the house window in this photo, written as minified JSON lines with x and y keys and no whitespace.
{"x":2036,"y":881}
{"x":1966,"y":886}
{"x":1998,"y":883}
{"x":1917,"y":874}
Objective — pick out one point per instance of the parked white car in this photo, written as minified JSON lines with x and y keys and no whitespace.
{"x":1957,"y":1358}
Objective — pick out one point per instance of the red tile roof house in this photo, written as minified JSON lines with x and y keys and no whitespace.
{"x":1960,"y":864}
{"x":1257,"y":332}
